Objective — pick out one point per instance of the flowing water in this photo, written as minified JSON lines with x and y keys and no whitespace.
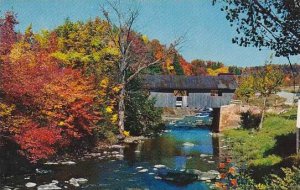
{"x":178,"y":148}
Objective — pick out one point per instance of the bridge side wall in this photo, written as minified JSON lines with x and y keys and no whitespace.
{"x":205,"y":99}
{"x":194,"y":100}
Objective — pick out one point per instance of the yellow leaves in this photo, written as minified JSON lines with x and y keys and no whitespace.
{"x":111,"y":51}
{"x":126,"y":133}
{"x":114,"y":118}
{"x":6,"y":110}
{"x":261,"y":187}
{"x":58,"y":106}
{"x":16,"y":53}
{"x":215,"y":72}
{"x":60,"y":56}
{"x":269,"y":68}
{"x":170,"y":67}
{"x":42,"y":38}
{"x":49,"y":113}
{"x":61,"y":123}
{"x":116,"y":88}
{"x":104,"y":82}
{"x":145,"y":39}
{"x":109,"y":109}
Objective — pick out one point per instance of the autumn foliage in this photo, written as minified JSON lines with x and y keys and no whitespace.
{"x":53,"y":105}
{"x":63,"y":86}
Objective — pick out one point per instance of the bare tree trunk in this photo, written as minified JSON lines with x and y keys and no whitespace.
{"x":262,"y":114}
{"x":121,"y":110}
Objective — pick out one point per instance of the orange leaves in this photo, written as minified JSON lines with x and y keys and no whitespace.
{"x":234,"y":182}
{"x":222,"y":165}
{"x":187,"y":67}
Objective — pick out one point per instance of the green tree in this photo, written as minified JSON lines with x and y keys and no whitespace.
{"x":141,"y":117}
{"x":266,"y":82}
{"x":177,"y":66}
{"x":235,"y":70}
{"x":246,"y":88}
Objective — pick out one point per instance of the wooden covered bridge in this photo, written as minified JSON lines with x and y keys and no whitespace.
{"x":192,"y":91}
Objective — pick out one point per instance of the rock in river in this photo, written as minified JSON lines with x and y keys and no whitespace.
{"x":178,"y":177}
{"x":51,"y":163}
{"x":159,"y":166}
{"x":68,"y":163}
{"x":188,"y":144}
{"x":207,"y":176}
{"x":50,"y":186}
{"x":77,"y":181}
{"x":143,"y":171}
{"x":30,"y":184}
{"x":117,"y":146}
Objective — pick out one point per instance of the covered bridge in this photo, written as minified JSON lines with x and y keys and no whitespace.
{"x":191,"y":91}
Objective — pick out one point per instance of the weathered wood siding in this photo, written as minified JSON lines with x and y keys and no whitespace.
{"x":167,"y":99}
{"x":205,"y":99}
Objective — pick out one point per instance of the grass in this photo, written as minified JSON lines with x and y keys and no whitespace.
{"x":267,"y":147}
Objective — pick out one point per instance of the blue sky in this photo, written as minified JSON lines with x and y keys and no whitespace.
{"x":207,"y":32}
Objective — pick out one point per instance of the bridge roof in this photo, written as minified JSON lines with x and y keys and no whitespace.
{"x":181,"y":82}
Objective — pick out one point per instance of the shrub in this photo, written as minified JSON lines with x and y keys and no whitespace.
{"x":249,"y":120}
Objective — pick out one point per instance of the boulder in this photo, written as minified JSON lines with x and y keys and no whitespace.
{"x":214,"y":172}
{"x":194,"y":171}
{"x":119,"y":156}
{"x":159,"y":166}
{"x":68,"y":163}
{"x":178,"y":177}
{"x":41,"y":171}
{"x":143,"y":171}
{"x":30,"y":184}
{"x":117,"y":146}
{"x":81,"y":180}
{"x":50,"y":186}
{"x":207,"y":176}
{"x":157,"y":177}
{"x":74,"y":182}
{"x":51,"y":163}
{"x":188,"y":144}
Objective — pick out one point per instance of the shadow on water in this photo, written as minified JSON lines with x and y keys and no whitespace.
{"x":178,"y":148}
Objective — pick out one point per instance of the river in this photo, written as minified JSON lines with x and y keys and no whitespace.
{"x":178,"y":148}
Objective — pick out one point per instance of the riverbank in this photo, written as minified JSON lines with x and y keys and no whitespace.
{"x":268,"y":149}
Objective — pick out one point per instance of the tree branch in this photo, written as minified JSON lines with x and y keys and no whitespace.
{"x":276,"y":19}
{"x":170,"y":51}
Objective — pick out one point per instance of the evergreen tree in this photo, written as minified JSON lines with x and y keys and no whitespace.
{"x":177,"y":66}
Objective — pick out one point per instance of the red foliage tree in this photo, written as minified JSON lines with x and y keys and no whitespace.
{"x":54,"y":105}
{"x":37,"y":142}
{"x":8,"y":35}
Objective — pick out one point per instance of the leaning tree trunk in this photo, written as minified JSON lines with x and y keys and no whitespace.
{"x":121,"y":110}
{"x":262,"y":114}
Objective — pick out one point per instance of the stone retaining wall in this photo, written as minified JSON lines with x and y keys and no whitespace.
{"x":230,"y":115}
